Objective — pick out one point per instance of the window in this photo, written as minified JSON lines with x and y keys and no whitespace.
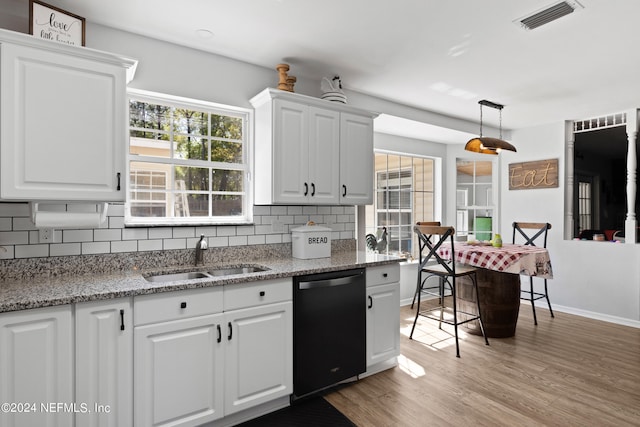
{"x":404,"y":194}
{"x":474,"y":198}
{"x":188,"y":162}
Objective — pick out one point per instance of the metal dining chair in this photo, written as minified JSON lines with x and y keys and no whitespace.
{"x":430,"y":240}
{"x":535,"y":232}
{"x":430,"y":223}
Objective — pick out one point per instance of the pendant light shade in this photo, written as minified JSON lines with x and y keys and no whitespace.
{"x":486,"y":145}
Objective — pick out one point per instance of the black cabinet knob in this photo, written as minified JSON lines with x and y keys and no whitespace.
{"x":262,"y":293}
{"x":183,"y":305}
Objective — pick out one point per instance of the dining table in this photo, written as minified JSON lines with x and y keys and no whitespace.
{"x":498,"y":276}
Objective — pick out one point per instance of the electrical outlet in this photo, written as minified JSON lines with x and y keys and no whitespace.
{"x":46,"y":235}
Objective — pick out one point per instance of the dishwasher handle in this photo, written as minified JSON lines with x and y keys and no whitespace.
{"x":339,"y":281}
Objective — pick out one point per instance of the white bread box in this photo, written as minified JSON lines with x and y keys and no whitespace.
{"x":311,"y":241}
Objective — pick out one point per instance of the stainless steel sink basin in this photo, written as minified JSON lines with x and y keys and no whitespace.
{"x":228,"y":271}
{"x":190,"y":275}
{"x":214,"y":272}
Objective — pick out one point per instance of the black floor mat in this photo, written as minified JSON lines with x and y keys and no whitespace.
{"x":311,"y":412}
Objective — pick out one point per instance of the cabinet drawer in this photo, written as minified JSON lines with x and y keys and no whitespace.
{"x":257,"y":293}
{"x":382,"y":274}
{"x":167,"y":306}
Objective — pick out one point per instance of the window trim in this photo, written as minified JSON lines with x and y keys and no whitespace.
{"x":248,"y":160}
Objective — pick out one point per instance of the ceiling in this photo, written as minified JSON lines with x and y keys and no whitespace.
{"x":440,"y":56}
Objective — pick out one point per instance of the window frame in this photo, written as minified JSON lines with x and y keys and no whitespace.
{"x":374,"y":210}
{"x":246,"y":167}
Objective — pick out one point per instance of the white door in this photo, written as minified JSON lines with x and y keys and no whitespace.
{"x":324,"y":155}
{"x":356,"y":159}
{"x":36,"y":367}
{"x":63,"y":133}
{"x":178,"y":372}
{"x":290,"y":152}
{"x":259,"y":355}
{"x":383,"y":322}
{"x":104,"y":362}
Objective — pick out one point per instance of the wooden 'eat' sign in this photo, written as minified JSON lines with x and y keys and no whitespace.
{"x":529,"y":175}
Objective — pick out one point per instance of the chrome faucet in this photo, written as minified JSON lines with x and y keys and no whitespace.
{"x":201,"y":246}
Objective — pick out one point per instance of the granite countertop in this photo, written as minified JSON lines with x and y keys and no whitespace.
{"x":35,"y":293}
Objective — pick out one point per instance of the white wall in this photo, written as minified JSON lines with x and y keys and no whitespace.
{"x":595,"y":279}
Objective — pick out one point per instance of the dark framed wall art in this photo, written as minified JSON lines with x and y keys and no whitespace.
{"x":55,"y":24}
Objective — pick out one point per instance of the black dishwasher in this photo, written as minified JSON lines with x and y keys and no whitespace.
{"x":329,"y":329}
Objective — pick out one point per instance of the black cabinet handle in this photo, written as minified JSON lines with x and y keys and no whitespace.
{"x":262,"y":293}
{"x":230,"y":332}
{"x":219,"y":333}
{"x":344,"y":190}
{"x":313,"y":189}
{"x":122,"y":320}
{"x":370,"y":302}
{"x":306,"y":188}
{"x":118,"y":187}
{"x":183,"y":305}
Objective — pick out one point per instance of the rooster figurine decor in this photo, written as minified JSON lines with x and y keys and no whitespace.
{"x":379,"y":243}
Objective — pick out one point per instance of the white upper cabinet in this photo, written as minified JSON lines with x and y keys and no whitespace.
{"x":311,"y":151}
{"x":63,"y":121}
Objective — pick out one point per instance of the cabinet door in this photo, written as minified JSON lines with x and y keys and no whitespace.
{"x":178,"y":372}
{"x":324,"y":155}
{"x":259,"y":355}
{"x":36,"y":367}
{"x":356,"y":159}
{"x":63,"y":132}
{"x":383,"y":322}
{"x":104,"y":362}
{"x":290,"y":152}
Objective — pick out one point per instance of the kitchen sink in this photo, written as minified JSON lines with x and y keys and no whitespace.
{"x":228,"y":271}
{"x":214,"y":272}
{"x":190,"y":275}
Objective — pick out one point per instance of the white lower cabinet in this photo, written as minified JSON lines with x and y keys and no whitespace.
{"x":36,"y":367}
{"x":383,"y":317}
{"x":104,"y":363}
{"x":259,"y":356}
{"x":179,"y":358}
{"x":201,"y":355}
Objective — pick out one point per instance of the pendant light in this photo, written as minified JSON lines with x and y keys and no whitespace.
{"x":486,"y":145}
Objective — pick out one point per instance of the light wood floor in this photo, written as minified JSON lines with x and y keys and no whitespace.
{"x":567,"y":371}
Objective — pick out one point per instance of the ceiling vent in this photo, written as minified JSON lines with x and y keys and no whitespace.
{"x":548,"y":14}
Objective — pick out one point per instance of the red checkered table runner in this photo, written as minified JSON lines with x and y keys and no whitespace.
{"x":510,"y":258}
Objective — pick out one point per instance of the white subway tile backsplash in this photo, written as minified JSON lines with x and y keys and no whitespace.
{"x":160,"y":233}
{"x":107,"y":234}
{"x":71,"y":236}
{"x":31,"y":251}
{"x":174,"y":244}
{"x":23,"y":224}
{"x":179,"y":232}
{"x":291,"y":210}
{"x":245,"y":230}
{"x":116,"y":209}
{"x":124,"y":246}
{"x":273,"y":238}
{"x":96,"y":248}
{"x":20,"y":239}
{"x":116,"y":222}
{"x":227,"y":231}
{"x":256,"y":240}
{"x":134,"y":233}
{"x":261,"y":210}
{"x":238,"y":241}
{"x":65,"y":249}
{"x":6,"y":224}
{"x":14,"y":237}
{"x":14,"y":209}
{"x":218,"y":242}
{"x":150,"y":245}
